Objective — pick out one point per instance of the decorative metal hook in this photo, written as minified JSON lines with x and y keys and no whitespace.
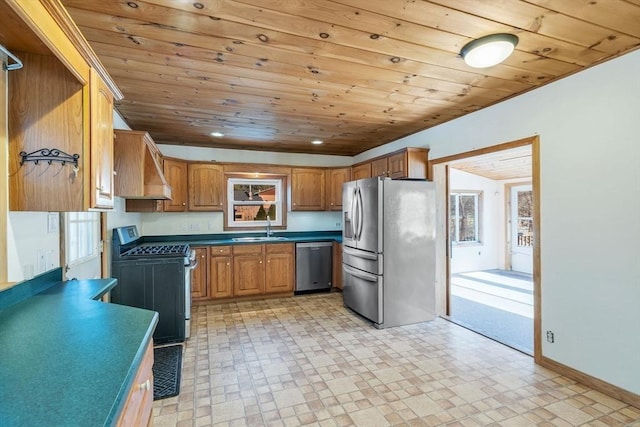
{"x":49,"y":155}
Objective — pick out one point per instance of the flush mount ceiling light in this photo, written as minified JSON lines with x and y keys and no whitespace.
{"x":489,"y":50}
{"x":217,"y":134}
{"x":316,"y":142}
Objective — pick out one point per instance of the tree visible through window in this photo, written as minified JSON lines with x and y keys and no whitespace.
{"x":463,"y":217}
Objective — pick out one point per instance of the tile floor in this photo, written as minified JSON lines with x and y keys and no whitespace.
{"x":308,"y":361}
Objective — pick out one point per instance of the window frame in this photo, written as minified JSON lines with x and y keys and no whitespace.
{"x":93,"y":230}
{"x":280,"y":181}
{"x":477,"y":213}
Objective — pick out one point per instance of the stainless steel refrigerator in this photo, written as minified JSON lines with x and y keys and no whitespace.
{"x":388,"y":239}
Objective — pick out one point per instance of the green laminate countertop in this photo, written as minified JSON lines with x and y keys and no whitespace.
{"x":67,"y":359}
{"x":227,"y":238}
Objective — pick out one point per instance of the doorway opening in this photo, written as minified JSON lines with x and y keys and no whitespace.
{"x":490,"y":279}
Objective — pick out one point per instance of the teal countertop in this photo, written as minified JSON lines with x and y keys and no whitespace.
{"x":67,"y":359}
{"x":227,"y":238}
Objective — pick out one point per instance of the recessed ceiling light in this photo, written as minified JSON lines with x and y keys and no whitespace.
{"x":317,"y":142}
{"x":489,"y":50}
{"x":217,"y":134}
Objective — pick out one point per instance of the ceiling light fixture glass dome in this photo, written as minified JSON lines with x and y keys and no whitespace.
{"x":489,"y":50}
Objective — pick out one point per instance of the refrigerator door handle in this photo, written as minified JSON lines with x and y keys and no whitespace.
{"x":354,"y":216}
{"x":361,"y":213}
{"x":360,"y":274}
{"x":359,"y":254}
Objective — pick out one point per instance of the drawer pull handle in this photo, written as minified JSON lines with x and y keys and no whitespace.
{"x":145,"y":385}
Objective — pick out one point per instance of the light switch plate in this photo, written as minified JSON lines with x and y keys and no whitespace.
{"x":52,"y":222}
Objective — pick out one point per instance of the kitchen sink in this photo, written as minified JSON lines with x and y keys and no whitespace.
{"x":259,"y":239}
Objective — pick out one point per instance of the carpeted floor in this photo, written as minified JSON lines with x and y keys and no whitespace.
{"x":497,"y":304}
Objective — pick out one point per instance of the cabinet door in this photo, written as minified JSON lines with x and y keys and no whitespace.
{"x":361,"y":171}
{"x":279,"y":268}
{"x":248,"y":270}
{"x":379,"y":167}
{"x":138,"y":406}
{"x":307,"y":189}
{"x":101,"y":132}
{"x":398,"y":165}
{"x":220,"y":284}
{"x":206,"y":187}
{"x":176,"y":174}
{"x":199,"y":285}
{"x":335,"y":179}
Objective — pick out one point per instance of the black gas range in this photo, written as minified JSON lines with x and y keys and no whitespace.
{"x":155,"y":276}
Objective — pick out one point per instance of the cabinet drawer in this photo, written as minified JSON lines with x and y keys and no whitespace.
{"x":247,"y":249}
{"x":279,"y":248}
{"x":137,"y":409}
{"x":220,"y":250}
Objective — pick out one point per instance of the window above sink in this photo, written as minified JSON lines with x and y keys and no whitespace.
{"x":254,"y":202}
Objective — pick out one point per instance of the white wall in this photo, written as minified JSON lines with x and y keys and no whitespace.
{"x":32,"y":247}
{"x":483,"y":255}
{"x":590,"y":202}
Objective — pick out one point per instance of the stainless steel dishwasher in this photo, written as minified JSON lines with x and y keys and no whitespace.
{"x":314,"y":267}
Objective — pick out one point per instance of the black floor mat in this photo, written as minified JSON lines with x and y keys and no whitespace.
{"x":167,"y":363}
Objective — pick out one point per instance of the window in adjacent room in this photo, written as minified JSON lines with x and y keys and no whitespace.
{"x":82,"y":236}
{"x":464,"y":218}
{"x":251,"y":200}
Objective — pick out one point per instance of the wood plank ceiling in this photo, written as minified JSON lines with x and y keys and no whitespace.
{"x":506,"y":164}
{"x":275,"y":74}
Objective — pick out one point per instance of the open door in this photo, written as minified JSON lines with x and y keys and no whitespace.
{"x":521,"y":229}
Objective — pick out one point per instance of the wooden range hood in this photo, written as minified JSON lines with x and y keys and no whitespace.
{"x":137,"y":162}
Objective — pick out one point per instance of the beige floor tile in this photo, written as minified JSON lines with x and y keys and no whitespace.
{"x":306,"y":360}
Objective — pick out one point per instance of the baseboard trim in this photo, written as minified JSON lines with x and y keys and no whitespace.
{"x":593,"y":382}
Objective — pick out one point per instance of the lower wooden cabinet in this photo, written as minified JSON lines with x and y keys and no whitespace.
{"x":199,"y":280}
{"x":280,"y":268}
{"x":248,"y":270}
{"x":137,"y":408}
{"x":220,"y":272}
{"x":242,"y":270}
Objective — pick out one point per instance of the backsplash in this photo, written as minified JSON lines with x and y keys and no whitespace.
{"x":157,"y":224}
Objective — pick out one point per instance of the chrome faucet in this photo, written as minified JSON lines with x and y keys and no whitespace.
{"x":269,"y":232}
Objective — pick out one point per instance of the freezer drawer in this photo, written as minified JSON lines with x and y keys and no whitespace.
{"x":314,"y":262}
{"x":362,"y":260}
{"x":362,"y":293}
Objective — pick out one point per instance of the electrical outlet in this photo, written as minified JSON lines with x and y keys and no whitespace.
{"x":194,"y":227}
{"x":338,"y":224}
{"x":550,"y":337}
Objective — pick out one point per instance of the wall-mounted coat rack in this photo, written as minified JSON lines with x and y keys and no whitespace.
{"x":49,"y":156}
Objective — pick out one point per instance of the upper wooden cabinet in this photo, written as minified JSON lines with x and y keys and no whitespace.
{"x":335,"y":178}
{"x":101,"y":118}
{"x":206,"y":187}
{"x":307,"y":189}
{"x":405,"y":163}
{"x":408,"y":163}
{"x":379,"y":167}
{"x":60,"y":103}
{"x":175,"y":172}
{"x":361,"y":171}
{"x":138,"y":167}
